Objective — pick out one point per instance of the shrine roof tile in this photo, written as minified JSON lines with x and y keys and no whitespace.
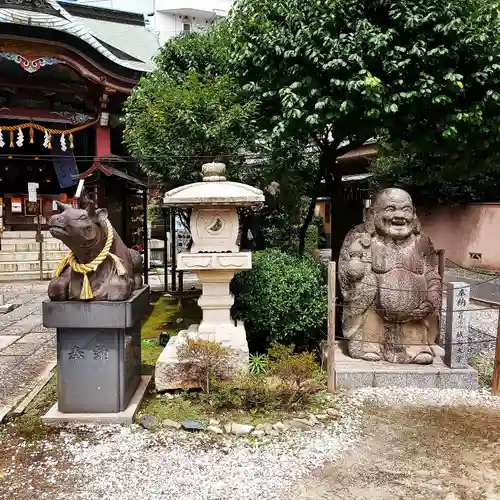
{"x":135,"y":51}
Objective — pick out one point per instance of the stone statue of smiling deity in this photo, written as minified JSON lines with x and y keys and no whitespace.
{"x":390,"y":283}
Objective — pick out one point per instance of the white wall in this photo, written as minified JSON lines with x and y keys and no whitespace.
{"x":170,"y":15}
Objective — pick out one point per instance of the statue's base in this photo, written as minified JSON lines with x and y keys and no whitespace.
{"x":172,"y":373}
{"x":357,"y":373}
{"x":125,"y":417}
{"x":98,"y":352}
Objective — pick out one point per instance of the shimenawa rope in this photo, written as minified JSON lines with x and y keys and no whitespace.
{"x":70,"y":260}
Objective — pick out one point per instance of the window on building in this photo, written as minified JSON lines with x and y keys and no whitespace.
{"x":186,"y":27}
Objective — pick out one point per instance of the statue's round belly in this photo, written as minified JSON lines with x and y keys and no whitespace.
{"x":400,"y":292}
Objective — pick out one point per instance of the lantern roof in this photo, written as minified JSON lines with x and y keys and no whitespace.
{"x":214,"y":190}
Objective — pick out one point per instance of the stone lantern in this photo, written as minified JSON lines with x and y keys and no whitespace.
{"x":215,"y":257}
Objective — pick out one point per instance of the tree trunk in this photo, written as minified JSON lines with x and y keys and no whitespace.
{"x":305,"y":225}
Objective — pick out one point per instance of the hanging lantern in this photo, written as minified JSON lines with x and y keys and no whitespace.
{"x":63,"y":143}
{"x":49,"y":144}
{"x":71,"y":145}
{"x":2,"y":142}
{"x":32,"y":136}
{"x":20,"y":138}
{"x":11,"y":139}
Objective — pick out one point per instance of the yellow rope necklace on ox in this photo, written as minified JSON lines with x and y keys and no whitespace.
{"x":70,"y":260}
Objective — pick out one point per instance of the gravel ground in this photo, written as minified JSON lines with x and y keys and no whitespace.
{"x":121,"y":463}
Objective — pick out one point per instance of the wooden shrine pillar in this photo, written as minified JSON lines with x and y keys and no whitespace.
{"x":103,"y":148}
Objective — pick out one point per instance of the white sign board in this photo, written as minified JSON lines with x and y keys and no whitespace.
{"x":31,"y":196}
{"x":33,"y":186}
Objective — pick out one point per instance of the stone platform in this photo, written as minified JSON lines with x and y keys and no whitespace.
{"x":356,"y":373}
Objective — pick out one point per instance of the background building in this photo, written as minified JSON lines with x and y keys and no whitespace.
{"x":168,"y":18}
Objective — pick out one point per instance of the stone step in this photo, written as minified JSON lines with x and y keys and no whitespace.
{"x":7,"y":277}
{"x":28,"y":266}
{"x":20,"y":256}
{"x":32,"y":246}
{"x":23,"y":235}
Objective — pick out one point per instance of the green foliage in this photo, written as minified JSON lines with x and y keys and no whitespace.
{"x":282,"y":299}
{"x":435,"y":179}
{"x":208,"y":361}
{"x":312,"y":240}
{"x":172,"y":128}
{"x":188,"y":111}
{"x":258,"y":364}
{"x":206,"y":53}
{"x":424,"y":71}
{"x":422,"y":75}
{"x":290,"y":381}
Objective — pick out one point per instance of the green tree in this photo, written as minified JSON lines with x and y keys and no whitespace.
{"x":188,"y":112}
{"x":420,"y":74}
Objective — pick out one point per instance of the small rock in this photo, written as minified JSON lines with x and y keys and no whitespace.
{"x":227,"y":428}
{"x":192,"y":425}
{"x":215,"y":429}
{"x":313,"y":420}
{"x":261,"y":427}
{"x":148,"y":421}
{"x":241,"y":429}
{"x":332,"y":412}
{"x":258,"y":433}
{"x":126,"y":431}
{"x":171,"y":423}
{"x":278,"y":426}
{"x":321,"y":416}
{"x":299,"y":423}
{"x":213,"y":421}
{"x":269,"y":429}
{"x":169,"y":396}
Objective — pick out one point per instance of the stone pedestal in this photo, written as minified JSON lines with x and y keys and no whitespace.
{"x":215,"y":272}
{"x":356,"y":373}
{"x":98,"y":351}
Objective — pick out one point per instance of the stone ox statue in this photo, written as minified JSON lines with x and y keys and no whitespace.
{"x":99,"y":265}
{"x":390,"y":284}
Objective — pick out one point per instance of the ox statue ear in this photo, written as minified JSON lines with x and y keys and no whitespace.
{"x":61,"y":206}
{"x":100,"y":215}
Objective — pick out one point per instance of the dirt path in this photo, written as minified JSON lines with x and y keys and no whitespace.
{"x":416,"y":454}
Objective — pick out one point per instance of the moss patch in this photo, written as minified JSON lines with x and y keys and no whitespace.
{"x":29,"y":425}
{"x":164,"y":316}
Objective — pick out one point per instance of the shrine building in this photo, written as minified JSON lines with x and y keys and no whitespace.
{"x":65,"y":71}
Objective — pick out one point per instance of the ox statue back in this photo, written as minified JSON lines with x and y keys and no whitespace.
{"x":99,"y":265}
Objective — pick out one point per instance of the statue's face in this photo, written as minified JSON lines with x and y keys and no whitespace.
{"x":394,"y":214}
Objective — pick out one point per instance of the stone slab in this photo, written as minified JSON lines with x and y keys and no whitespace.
{"x":6,"y":308}
{"x":95,"y":314}
{"x":171,"y":373}
{"x":6,"y":340}
{"x":356,"y":373}
{"x":126,"y":417}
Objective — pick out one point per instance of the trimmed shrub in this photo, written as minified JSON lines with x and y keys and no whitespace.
{"x":281,"y":299}
{"x":311,"y":244}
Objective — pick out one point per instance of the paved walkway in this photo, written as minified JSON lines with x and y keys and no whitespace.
{"x":27,"y":349}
